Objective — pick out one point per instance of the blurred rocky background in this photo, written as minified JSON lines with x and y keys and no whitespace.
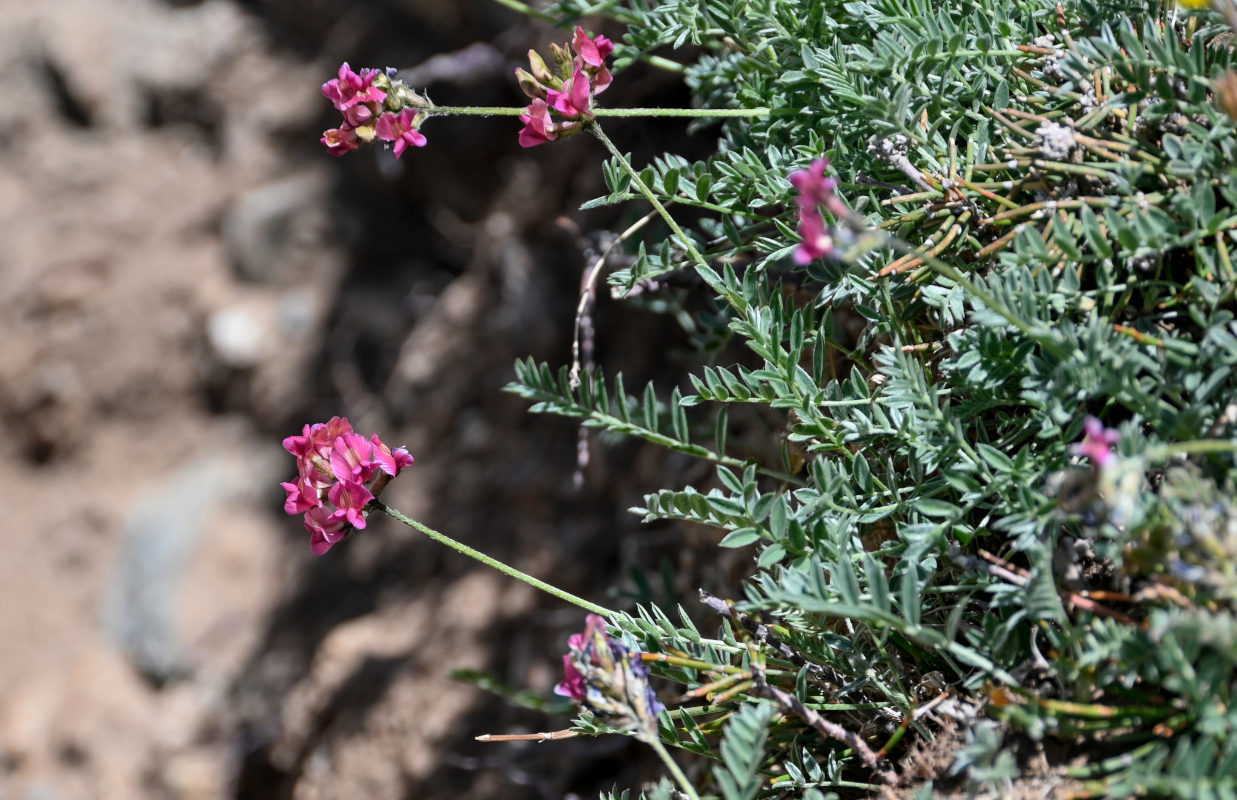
{"x":186,"y":277}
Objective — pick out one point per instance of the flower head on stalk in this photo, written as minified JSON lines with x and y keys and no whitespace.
{"x":374,"y":104}
{"x":562,"y":98}
{"x":609,"y":681}
{"x":338,"y":473}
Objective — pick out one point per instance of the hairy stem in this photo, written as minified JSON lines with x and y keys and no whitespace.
{"x":459,"y":547}
{"x":508,"y":111}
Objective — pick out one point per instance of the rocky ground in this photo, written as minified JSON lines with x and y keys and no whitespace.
{"x":187,"y":278}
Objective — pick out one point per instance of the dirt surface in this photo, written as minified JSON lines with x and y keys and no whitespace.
{"x":187,"y":278}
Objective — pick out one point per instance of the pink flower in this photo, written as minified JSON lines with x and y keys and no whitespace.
{"x":591,"y":55}
{"x":360,"y":115}
{"x":538,"y":127}
{"x":302,"y":496}
{"x":326,"y":530}
{"x":338,"y":476}
{"x":340,"y":140}
{"x":388,"y":460}
{"x":817,"y":190}
{"x":350,"y":500}
{"x":398,"y":128}
{"x":350,"y":458}
{"x":1097,"y":443}
{"x":573,"y":101}
{"x":350,"y":88}
{"x":817,"y":239}
{"x":572,"y":685}
{"x":593,"y":52}
{"x":812,"y":185}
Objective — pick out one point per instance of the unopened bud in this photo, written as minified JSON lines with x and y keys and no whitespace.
{"x":410,"y":99}
{"x":529,"y":85}
{"x":564,"y":62}
{"x":540,"y":71}
{"x":382,"y":80}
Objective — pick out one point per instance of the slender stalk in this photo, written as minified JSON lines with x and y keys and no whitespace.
{"x":508,"y":111}
{"x":527,"y":10}
{"x":675,"y":771}
{"x":1194,"y":447}
{"x":702,"y":267}
{"x":442,"y":538}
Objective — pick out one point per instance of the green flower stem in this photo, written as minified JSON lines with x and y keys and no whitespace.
{"x":677,"y":773}
{"x":706,"y":113}
{"x":507,"y":111}
{"x":702,"y":267}
{"x":490,"y":562}
{"x":1194,"y":447}
{"x":527,"y":10}
{"x":663,"y":63}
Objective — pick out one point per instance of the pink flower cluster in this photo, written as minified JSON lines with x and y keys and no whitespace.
{"x":561,"y":103}
{"x":816,"y":190}
{"x":339,"y":472}
{"x":374,"y":106}
{"x":1097,"y":443}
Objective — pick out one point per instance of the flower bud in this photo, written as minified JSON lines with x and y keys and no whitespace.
{"x":530,"y":86}
{"x":540,"y":71}
{"x":409,"y":98}
{"x":564,"y":61}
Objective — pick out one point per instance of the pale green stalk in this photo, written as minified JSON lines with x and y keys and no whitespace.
{"x":508,"y":111}
{"x":459,"y":547}
{"x":675,"y":771}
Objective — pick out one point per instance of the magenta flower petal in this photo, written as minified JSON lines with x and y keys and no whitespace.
{"x":301,"y":497}
{"x":340,"y":140}
{"x":573,"y":100}
{"x":326,"y":529}
{"x":814,"y":188}
{"x":591,"y":51}
{"x":572,"y":685}
{"x":400,"y":129}
{"x":351,"y":458}
{"x":817,"y":240}
{"x":388,"y":460}
{"x":538,"y":127}
{"x":601,"y":81}
{"x":350,"y":88}
{"x":350,"y":499}
{"x":1097,"y":443}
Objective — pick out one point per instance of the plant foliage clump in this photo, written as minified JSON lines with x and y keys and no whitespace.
{"x":1048,"y":201}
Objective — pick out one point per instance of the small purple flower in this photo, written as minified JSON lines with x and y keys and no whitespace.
{"x":1097,"y":443}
